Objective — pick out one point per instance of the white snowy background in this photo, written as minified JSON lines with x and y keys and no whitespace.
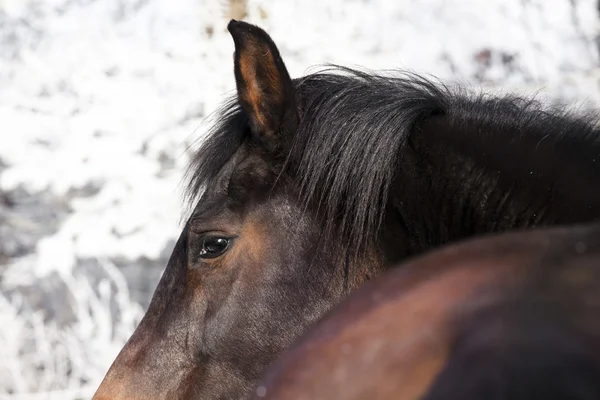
{"x":100,"y":101}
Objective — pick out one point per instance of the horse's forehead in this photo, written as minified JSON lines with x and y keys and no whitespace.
{"x":242,"y":177}
{"x":215,"y":192}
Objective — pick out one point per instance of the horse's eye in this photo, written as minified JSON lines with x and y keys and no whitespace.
{"x":213,"y":246}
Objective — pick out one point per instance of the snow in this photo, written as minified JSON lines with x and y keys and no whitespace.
{"x":101,"y":101}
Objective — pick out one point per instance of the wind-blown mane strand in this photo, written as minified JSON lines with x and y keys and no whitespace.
{"x":347,"y":148}
{"x":216,"y":148}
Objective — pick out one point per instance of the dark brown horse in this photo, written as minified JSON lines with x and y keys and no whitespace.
{"x":512,"y":317}
{"x":307,"y":188}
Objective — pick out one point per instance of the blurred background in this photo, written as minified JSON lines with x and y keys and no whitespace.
{"x":101,"y":102}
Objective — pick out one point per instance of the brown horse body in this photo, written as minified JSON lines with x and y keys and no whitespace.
{"x":516,"y":316}
{"x":307,"y":188}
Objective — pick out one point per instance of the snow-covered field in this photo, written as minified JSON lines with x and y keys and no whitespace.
{"x":100,"y":101}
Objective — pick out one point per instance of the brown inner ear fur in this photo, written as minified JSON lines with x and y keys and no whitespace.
{"x":265,"y":89}
{"x":254,"y":57}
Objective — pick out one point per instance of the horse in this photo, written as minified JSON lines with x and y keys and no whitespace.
{"x":511,"y":316}
{"x":306,"y":188}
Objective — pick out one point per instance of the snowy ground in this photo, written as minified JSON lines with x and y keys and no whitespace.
{"x":100,"y":101}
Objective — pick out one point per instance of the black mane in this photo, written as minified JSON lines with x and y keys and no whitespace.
{"x":354,"y":126}
{"x":216,"y":148}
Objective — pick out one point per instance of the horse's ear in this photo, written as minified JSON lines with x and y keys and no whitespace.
{"x":264,"y":87}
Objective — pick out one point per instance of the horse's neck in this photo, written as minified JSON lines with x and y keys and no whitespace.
{"x":457,"y":181}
